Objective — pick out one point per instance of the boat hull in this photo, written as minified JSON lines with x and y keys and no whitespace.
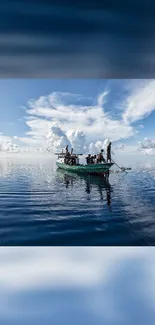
{"x":95,"y":169}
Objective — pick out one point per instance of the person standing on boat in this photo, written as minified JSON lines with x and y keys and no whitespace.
{"x":100,"y":157}
{"x":88,"y":159}
{"x":66,"y":149}
{"x":67,"y":156}
{"x":109,"y":152}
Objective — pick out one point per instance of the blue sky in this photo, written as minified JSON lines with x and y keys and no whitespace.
{"x":77,"y":285}
{"x":122,"y":110}
{"x":15,"y":93}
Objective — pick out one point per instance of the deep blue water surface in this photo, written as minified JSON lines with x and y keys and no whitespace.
{"x":40,"y":205}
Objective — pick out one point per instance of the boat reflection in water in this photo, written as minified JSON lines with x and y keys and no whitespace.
{"x":101,"y":183}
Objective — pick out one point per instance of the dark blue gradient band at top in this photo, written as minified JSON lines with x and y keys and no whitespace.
{"x":106,"y":39}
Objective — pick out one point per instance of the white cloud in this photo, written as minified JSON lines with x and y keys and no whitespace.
{"x":4,"y":138}
{"x":80,"y":121}
{"x":96,"y":147}
{"x":56,"y":138}
{"x":147,"y":146}
{"x":150,"y":152}
{"x":37,"y":135}
{"x":119,"y":147}
{"x":102,"y":98}
{"x":77,"y":139}
{"x":7,"y":144}
{"x":62,"y":118}
{"x":140,"y":103}
{"x":149,"y":143}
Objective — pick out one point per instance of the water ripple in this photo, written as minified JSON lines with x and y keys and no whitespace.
{"x":40,"y":205}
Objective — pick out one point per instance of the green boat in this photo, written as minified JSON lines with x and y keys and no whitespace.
{"x":95,"y":168}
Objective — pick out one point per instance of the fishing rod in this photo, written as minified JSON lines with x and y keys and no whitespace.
{"x":121,"y":168}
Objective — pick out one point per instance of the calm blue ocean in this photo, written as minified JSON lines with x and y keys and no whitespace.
{"x":40,"y":205}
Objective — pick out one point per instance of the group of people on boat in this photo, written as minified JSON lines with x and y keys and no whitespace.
{"x":72,"y":159}
{"x":99,"y":158}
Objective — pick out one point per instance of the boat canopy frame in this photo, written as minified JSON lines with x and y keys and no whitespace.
{"x":63,"y":155}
